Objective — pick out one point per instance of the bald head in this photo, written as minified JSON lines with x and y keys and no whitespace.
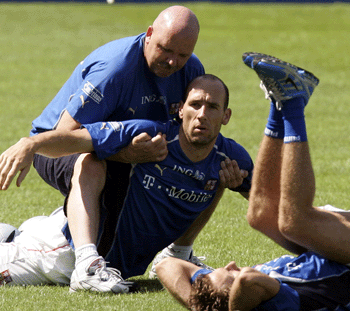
{"x":178,"y":19}
{"x":170,"y":41}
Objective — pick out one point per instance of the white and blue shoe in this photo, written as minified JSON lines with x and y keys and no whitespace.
{"x":282,"y":80}
{"x":98,"y":278}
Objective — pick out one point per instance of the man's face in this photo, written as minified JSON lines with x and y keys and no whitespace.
{"x":203,"y":113}
{"x":222,"y":278}
{"x":166,"y":52}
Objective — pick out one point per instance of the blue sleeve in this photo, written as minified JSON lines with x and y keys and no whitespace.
{"x":287,"y":299}
{"x":198,"y":273}
{"x":101,"y":80}
{"x":235,"y":151}
{"x":109,"y":137}
{"x":98,"y":95}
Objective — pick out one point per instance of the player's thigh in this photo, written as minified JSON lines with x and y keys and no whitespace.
{"x":57,"y":172}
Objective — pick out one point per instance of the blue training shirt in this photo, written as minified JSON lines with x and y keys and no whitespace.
{"x":164,"y":198}
{"x":114,"y":83}
{"x":308,"y":282}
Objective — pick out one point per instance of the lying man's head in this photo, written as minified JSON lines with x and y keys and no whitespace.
{"x":211,"y":291}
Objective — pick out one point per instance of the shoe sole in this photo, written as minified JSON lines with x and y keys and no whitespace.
{"x":271,"y":60}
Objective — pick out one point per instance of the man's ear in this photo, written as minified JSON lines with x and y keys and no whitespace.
{"x":227,"y":116}
{"x":181,"y":107}
{"x":149,"y":33}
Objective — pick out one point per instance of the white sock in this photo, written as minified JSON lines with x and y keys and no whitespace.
{"x":179,"y":251}
{"x":84,"y":255}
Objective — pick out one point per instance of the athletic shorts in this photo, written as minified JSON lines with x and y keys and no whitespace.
{"x":39,"y":255}
{"x":58,"y":173}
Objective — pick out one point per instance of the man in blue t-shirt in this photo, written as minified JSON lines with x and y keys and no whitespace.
{"x":280,"y":206}
{"x":165,"y":198}
{"x":140,"y":77}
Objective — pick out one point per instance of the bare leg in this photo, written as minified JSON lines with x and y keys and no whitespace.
{"x":83,"y":203}
{"x":325,"y":232}
{"x":264,"y":198}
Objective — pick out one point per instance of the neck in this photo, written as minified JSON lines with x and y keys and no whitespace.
{"x":194,"y":152}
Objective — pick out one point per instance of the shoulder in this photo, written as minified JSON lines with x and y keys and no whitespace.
{"x":231,"y":148}
{"x":194,"y":61}
{"x":117,"y":55}
{"x":193,"y":67}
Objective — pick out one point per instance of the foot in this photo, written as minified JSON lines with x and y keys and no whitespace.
{"x":99,"y":278}
{"x":166,"y":252}
{"x":281,"y":80}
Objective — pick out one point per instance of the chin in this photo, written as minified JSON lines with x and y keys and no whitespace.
{"x":163,"y":75}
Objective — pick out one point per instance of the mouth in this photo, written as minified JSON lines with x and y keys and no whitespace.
{"x":166,"y":67}
{"x":200,"y":129}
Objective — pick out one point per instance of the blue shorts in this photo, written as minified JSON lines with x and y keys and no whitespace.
{"x":58,"y":174}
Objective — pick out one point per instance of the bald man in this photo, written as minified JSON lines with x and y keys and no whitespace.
{"x":140,"y":77}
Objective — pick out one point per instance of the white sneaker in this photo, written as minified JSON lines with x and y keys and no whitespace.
{"x":167,"y":252}
{"x":99,"y":278}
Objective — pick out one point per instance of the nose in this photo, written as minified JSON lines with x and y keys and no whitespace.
{"x":202,"y":112}
{"x":231,"y":266}
{"x":172,"y":61}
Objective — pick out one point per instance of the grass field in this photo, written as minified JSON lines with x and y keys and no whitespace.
{"x":42,"y":43}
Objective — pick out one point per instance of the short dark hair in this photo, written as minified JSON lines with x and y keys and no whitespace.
{"x":208,"y":77}
{"x":204,"y":297}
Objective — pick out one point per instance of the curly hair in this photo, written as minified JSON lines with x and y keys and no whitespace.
{"x":204,"y":297}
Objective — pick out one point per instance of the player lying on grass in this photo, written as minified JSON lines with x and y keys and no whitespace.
{"x":280,"y":206}
{"x":164,"y":198}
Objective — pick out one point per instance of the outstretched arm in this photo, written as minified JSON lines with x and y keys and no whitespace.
{"x":69,"y":139}
{"x":175,"y":274}
{"x":58,"y":143}
{"x":250,"y":288}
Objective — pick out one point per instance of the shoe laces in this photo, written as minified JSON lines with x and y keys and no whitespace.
{"x":272,"y":91}
{"x":109,"y":273}
{"x":198,"y":260}
{"x":105,"y":273}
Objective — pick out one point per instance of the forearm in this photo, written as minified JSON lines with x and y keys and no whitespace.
{"x":58,"y":143}
{"x":192,"y":232}
{"x":175,"y":276}
{"x":250,"y":289}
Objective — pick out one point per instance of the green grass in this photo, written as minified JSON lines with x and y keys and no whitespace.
{"x":42,"y":43}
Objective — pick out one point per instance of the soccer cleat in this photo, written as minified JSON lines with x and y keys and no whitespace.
{"x":198,"y":262}
{"x":282,"y":81}
{"x":166,"y":253}
{"x":99,"y":278}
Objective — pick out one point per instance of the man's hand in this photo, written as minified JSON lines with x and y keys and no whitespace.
{"x":17,"y":158}
{"x":143,"y":148}
{"x":231,"y":176}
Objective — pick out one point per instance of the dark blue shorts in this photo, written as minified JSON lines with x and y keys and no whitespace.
{"x":58,"y":174}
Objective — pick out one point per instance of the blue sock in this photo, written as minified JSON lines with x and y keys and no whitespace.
{"x":275,"y":124}
{"x":294,"y":120}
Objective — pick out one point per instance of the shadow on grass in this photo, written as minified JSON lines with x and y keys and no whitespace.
{"x":147,"y":286}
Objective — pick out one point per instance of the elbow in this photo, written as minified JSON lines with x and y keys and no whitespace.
{"x":162,"y":266}
{"x":247,"y":277}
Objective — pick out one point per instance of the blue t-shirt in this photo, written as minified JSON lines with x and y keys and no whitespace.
{"x":308,"y":282}
{"x":114,"y":83}
{"x":164,"y":198}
